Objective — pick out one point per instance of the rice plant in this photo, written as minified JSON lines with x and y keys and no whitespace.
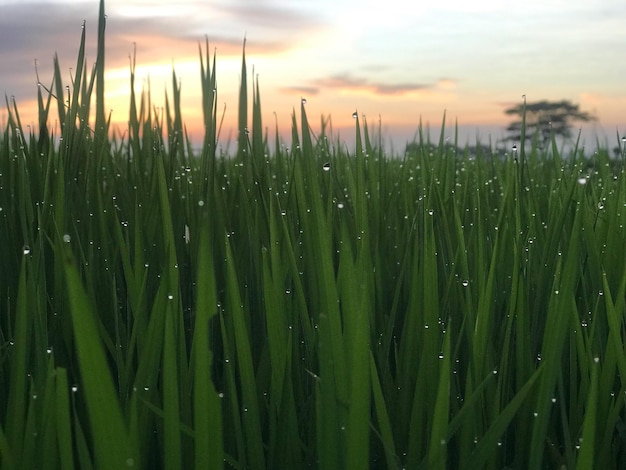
{"x":304,"y":305}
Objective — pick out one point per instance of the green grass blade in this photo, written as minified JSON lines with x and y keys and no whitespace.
{"x":111,"y":442}
{"x":207,"y":407}
{"x":437,"y":449}
{"x":484,"y":449}
{"x":382,"y":416}
{"x":249,"y":402}
{"x":16,"y":403}
{"x":63,"y":419}
{"x":585,"y":457}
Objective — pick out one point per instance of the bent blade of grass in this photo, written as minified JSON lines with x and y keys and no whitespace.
{"x":111,"y":440}
{"x":615,"y":322}
{"x":484,"y":450}
{"x":608,"y":412}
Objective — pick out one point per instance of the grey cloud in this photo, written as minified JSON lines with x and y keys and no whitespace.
{"x":347,"y":81}
{"x":37,"y":30}
{"x":271,"y":15}
{"x":301,"y":90}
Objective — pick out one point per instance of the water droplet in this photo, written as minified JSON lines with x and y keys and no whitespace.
{"x":340,"y":205}
{"x":596,"y":359}
{"x":326,"y":166}
{"x":600,"y":205}
{"x":170,"y":296}
{"x":74,"y":388}
{"x":431,"y":212}
{"x":67,"y":238}
{"x":26,"y":249}
{"x":582,"y":180}
{"x":465,"y":283}
{"x":515,"y":148}
{"x":200,"y":203}
{"x":354,"y":115}
{"x":303,"y":100}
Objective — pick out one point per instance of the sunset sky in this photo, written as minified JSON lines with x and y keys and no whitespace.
{"x":392,"y":60}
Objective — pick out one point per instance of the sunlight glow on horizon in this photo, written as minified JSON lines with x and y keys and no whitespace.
{"x":468,"y":59}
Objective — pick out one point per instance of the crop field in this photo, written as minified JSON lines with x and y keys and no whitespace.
{"x":303,"y":305}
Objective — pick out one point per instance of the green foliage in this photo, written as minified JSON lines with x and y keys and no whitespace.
{"x":310,"y":307}
{"x":543,"y":119}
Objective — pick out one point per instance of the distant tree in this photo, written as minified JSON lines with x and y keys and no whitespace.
{"x":544,"y":118}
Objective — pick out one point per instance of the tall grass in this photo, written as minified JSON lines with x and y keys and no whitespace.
{"x":306,"y":306}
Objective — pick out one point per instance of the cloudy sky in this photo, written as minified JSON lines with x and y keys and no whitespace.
{"x":392,"y":60}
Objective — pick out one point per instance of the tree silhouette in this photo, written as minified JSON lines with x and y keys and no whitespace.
{"x":544,"y":118}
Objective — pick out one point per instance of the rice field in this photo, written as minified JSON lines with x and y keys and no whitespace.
{"x":302,"y":304}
